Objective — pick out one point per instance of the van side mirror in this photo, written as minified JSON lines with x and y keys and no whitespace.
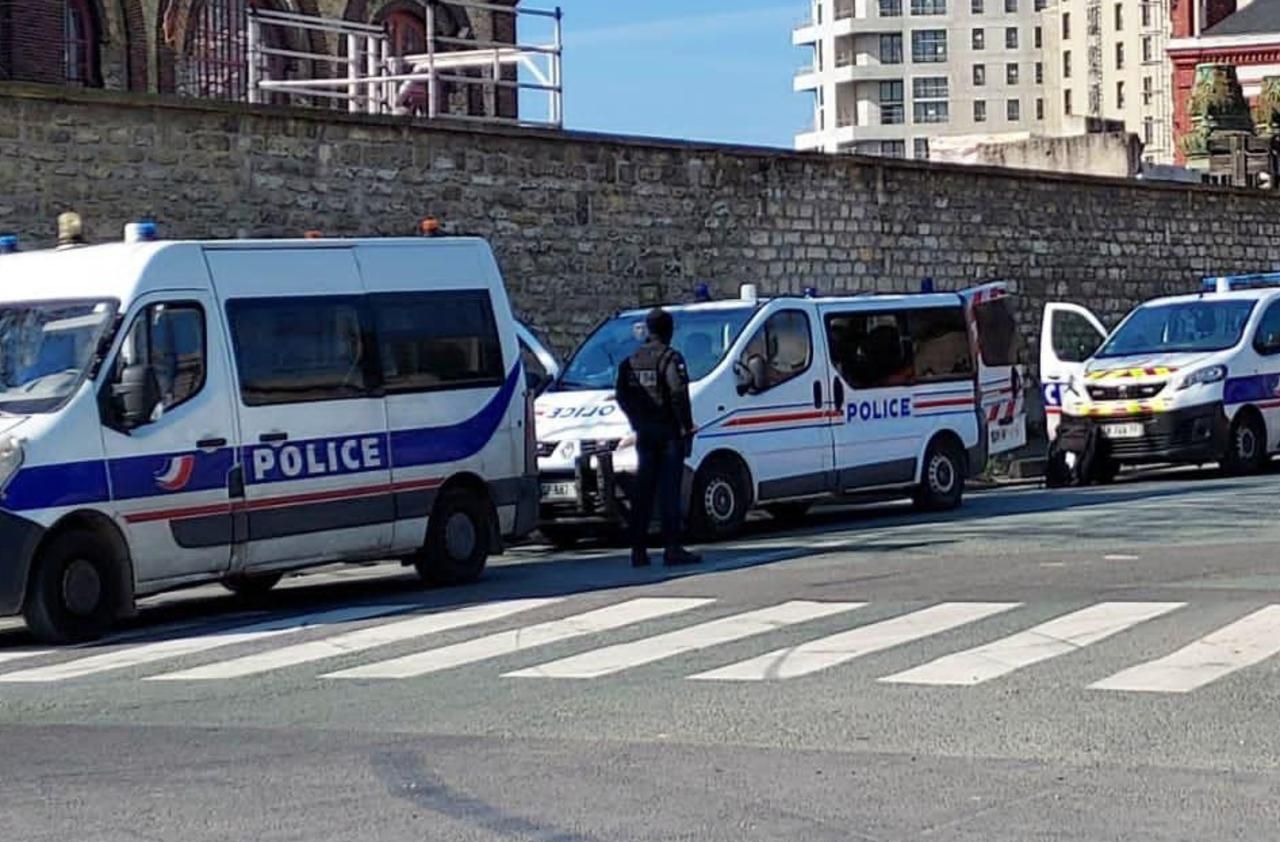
{"x":536,"y":382}
{"x":135,"y":396}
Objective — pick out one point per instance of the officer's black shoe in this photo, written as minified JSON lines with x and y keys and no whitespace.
{"x":639,"y":558}
{"x":679,"y":556}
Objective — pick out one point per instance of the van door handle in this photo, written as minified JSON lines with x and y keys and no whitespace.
{"x":837,"y":390}
{"x":211,"y":443}
{"x":817,"y":394}
{"x":270,"y":438}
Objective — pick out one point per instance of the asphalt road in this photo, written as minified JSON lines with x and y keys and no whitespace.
{"x":1088,"y":664}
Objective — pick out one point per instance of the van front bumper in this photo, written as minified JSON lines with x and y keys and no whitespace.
{"x":1192,"y":434}
{"x":599,"y":494}
{"x":19,"y":539}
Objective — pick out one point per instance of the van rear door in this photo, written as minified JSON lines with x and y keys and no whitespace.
{"x":1002,"y":371}
{"x":1069,"y":335}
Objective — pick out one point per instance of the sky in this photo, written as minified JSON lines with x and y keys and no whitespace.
{"x":695,"y":69}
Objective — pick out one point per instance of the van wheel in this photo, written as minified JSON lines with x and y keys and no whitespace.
{"x":1105,"y":471}
{"x":790,"y":514}
{"x":1246,"y":445}
{"x":718,"y":507}
{"x":72,"y":597}
{"x":457,"y":539}
{"x":942,"y":485}
{"x":252,"y":586}
{"x":562,"y":537}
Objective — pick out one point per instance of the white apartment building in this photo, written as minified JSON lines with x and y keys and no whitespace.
{"x":887,"y":75}
{"x":1106,"y":58}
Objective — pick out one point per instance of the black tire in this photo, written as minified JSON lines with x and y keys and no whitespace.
{"x":720,"y":501}
{"x":789,"y":514}
{"x":1105,"y":471}
{"x":1246,"y":445}
{"x":252,"y":586}
{"x":73,"y":591}
{"x":562,"y":537}
{"x":942,"y":479}
{"x":457,"y":539}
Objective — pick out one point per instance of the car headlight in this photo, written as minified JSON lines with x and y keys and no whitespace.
{"x":1212,"y":374}
{"x":10,"y":459}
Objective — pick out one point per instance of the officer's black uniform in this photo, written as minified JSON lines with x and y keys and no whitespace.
{"x":653,"y":391}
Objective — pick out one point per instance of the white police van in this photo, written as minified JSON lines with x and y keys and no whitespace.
{"x":796,"y":399}
{"x":173,"y":413}
{"x":1183,"y":379}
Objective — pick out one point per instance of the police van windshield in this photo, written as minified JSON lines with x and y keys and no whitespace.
{"x":1195,"y":326}
{"x":46,"y":349}
{"x":702,"y":336}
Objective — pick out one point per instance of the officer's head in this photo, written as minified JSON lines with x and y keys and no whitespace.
{"x":660,"y":325}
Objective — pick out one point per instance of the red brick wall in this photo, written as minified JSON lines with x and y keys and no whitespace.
{"x":35,"y":56}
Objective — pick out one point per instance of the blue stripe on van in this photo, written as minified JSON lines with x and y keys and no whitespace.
{"x":139,"y":477}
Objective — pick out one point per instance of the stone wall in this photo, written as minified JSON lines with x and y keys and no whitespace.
{"x":586,"y":224}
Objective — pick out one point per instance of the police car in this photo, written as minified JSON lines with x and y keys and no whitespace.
{"x":1184,"y":379}
{"x":173,"y":413}
{"x":796,"y":399}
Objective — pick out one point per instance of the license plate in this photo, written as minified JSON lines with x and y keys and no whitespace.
{"x":554,"y":491}
{"x":1122,"y":431}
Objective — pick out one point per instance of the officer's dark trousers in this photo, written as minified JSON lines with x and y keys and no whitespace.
{"x":661,"y":466}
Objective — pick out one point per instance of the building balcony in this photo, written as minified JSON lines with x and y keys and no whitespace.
{"x":844,"y":135}
{"x":807,"y":79}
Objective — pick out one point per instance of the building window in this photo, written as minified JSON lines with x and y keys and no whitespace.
{"x":975,"y":6}
{"x":1120,"y":56}
{"x":80,"y":45}
{"x":1039,"y":73}
{"x":1011,"y":37}
{"x":890,"y":8}
{"x":929,"y":46}
{"x":979,"y":111}
{"x":1119,"y":94}
{"x":1039,"y":108}
{"x":1119,"y":17}
{"x":1066,"y":26}
{"x":214,"y":63}
{"x":930,"y":100}
{"x":891,"y":49}
{"x":1066,"y":64}
{"x":891,"y":108}
{"x":1146,"y":14}
{"x":1013,"y":110}
{"x":921,"y":149}
{"x":979,"y":39}
{"x":932,"y":112}
{"x":1148,"y":50}
{"x":1039,"y":37}
{"x":1011,"y":6}
{"x":1146,"y":90}
{"x":1066,"y":101}
{"x":408,"y":33}
{"x":893,"y":148}
{"x":1148,"y":130}
{"x":928,"y":7}
{"x":929,"y":87}
{"x":1011,"y":74}
{"x":979,"y":75}
{"x":1041,"y":5}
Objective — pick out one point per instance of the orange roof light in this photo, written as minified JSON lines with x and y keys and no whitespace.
{"x":313,"y":235}
{"x":429,"y":227}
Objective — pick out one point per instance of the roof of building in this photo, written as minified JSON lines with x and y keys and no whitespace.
{"x":1259,"y":17}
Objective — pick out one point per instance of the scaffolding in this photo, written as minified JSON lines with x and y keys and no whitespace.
{"x":359,"y":70}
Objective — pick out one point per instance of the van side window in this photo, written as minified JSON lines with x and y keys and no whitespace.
{"x":868,"y":349}
{"x":785,"y":343}
{"x":1267,"y":340}
{"x":438,"y":340}
{"x":998,"y":335}
{"x":296,"y":350}
{"x":167,"y":343}
{"x":940,"y":345}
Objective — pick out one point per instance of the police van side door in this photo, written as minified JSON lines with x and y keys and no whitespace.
{"x":316,"y":469}
{"x":1069,"y":335}
{"x":1002,"y":370}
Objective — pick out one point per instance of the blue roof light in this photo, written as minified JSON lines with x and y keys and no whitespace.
{"x":143,"y":231}
{"x":8,"y":244}
{"x":810,"y":292}
{"x":702,"y":292}
{"x":926,"y":286}
{"x":1256,"y":280}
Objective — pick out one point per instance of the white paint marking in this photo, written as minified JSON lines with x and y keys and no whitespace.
{"x":1243,"y":643}
{"x":1120,"y":557}
{"x":518,"y":640}
{"x":1048,"y":640}
{"x":828,"y":652}
{"x":146,"y":653}
{"x":611,"y":659}
{"x":19,"y":654}
{"x":356,"y":641}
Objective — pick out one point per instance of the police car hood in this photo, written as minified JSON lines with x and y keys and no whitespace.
{"x":1151,"y":365}
{"x":10,"y":423}
{"x":564,"y":416}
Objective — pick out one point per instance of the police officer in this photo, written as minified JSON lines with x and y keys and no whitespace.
{"x":653,"y":391}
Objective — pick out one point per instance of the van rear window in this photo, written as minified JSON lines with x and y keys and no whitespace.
{"x":998,"y":334}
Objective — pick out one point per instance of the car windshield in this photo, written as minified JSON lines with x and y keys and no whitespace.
{"x":702,"y":336}
{"x":1200,"y":325}
{"x":45,"y":350}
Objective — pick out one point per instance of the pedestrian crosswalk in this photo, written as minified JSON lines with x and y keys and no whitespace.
{"x":961,"y":644}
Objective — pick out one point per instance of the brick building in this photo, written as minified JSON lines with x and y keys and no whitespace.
{"x":198,"y":47}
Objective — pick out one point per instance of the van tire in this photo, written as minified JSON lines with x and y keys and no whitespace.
{"x":720,"y":501}
{"x":1246,"y":445}
{"x":458,"y":538}
{"x":942,"y":477}
{"x":72,"y":596}
{"x":252,"y":586}
{"x":789,"y":514}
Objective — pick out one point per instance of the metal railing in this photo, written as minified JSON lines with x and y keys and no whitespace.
{"x":365,"y":74}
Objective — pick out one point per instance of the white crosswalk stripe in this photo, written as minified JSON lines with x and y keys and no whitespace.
{"x":517,"y":640}
{"x":146,"y":653}
{"x":19,"y":654}
{"x":356,"y":641}
{"x":1048,"y":640}
{"x":827,"y":652}
{"x":1241,"y":644}
{"x":623,"y":656}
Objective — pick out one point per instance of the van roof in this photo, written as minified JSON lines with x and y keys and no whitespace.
{"x":871,"y":301}
{"x":1255,"y":294}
